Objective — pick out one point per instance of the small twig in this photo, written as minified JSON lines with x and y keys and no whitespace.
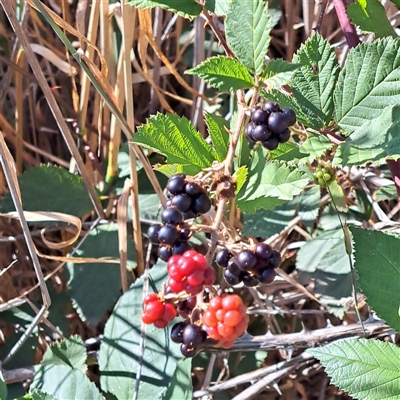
{"x":218,"y":34}
{"x":305,"y":339}
{"x":259,"y":373}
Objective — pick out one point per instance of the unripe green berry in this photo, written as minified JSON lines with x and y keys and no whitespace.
{"x":318,"y":175}
{"x":321,"y":182}
{"x":327,"y":177}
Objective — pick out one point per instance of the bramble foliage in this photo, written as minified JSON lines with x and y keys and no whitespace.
{"x":358,"y":103}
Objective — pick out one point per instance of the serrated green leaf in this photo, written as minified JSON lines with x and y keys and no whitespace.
{"x":224,"y":73}
{"x":37,"y":394}
{"x":269,"y":184}
{"x":366,"y":369}
{"x":181,"y":386}
{"x":69,"y":352}
{"x":3,"y":388}
{"x":266,"y":223}
{"x":62,"y":382}
{"x":119,"y":350}
{"x":220,"y":137}
{"x":287,"y":152}
{"x":313,"y":84}
{"x":375,"y":141}
{"x":315,"y":146}
{"x":278,"y":73}
{"x":169,"y":169}
{"x":368,"y":83}
{"x":186,"y":8}
{"x":93,"y":304}
{"x":240,"y":177}
{"x":49,"y":188}
{"x":377,"y":256}
{"x":177,"y":139}
{"x":247,"y":26}
{"x":370,"y":16}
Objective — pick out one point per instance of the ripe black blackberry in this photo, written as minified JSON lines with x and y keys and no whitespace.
{"x":222,"y":258}
{"x":176,"y":184}
{"x":152,"y":233}
{"x":168,"y":234}
{"x":172,"y":216}
{"x":177,"y":332}
{"x":270,"y":125}
{"x":250,"y":267}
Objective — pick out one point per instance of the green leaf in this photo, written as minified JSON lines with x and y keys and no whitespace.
{"x":278,"y":73}
{"x":270,"y":184}
{"x":287,"y":152}
{"x":396,"y":2}
{"x":224,"y":73}
{"x":266,"y":223}
{"x":62,"y":382}
{"x":92,"y":304}
{"x":3,"y":388}
{"x":169,"y":169}
{"x":119,"y":350}
{"x":366,"y":369}
{"x":187,"y":8}
{"x":375,"y":141}
{"x":248,"y":26}
{"x":370,"y":16}
{"x":377,"y":256}
{"x":220,"y":7}
{"x":313,"y":84}
{"x":325,"y":252}
{"x":386,"y":193}
{"x":49,"y":188}
{"x":240,"y":177}
{"x":219,"y":135}
{"x":368,"y":83}
{"x":177,"y":139}
{"x":337,"y":195}
{"x":149,"y":207}
{"x":325,"y":261}
{"x":37,"y":394}
{"x":181,"y":386}
{"x":69,"y":352}
{"x":315,"y":146}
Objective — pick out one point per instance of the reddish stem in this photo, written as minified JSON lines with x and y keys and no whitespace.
{"x":347,"y":27}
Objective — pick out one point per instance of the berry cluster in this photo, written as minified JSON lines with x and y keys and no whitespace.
{"x":270,"y":125}
{"x":187,"y":200}
{"x":225,"y":319}
{"x":190,"y":336}
{"x":189,"y":273}
{"x":324,"y":175}
{"x":249,"y":267}
{"x":157,"y":312}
